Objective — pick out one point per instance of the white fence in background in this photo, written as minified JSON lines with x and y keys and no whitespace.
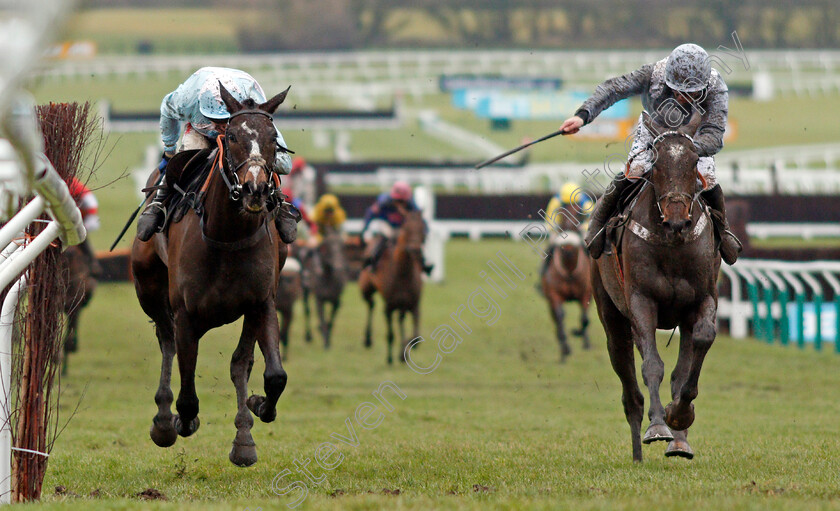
{"x":415,"y":72}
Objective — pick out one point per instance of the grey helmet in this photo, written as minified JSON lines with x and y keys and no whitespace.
{"x":688,"y":68}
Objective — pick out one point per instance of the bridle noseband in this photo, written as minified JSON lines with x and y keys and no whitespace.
{"x":233,"y":185}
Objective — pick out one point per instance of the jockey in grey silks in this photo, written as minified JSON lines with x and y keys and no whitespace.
{"x":671,"y":90}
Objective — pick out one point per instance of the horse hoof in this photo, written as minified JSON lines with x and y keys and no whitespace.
{"x":163,"y":436}
{"x":368,"y":343}
{"x":679,"y":422}
{"x":243,"y":455}
{"x":256,"y":404}
{"x":187,"y":430}
{"x":657,"y":432}
{"x":308,"y":337}
{"x":679,"y":448}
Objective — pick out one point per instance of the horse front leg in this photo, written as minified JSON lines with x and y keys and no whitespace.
{"x":679,"y":446}
{"x":368,"y":328}
{"x":584,"y":323}
{"x":389,"y":315}
{"x":333,"y":311}
{"x":284,"y":331}
{"x":274,"y":378}
{"x":186,"y":344}
{"x":680,"y":412}
{"x":308,"y":330}
{"x":643,"y":320}
{"x":322,"y":322}
{"x":243,"y":453}
{"x":415,"y":329}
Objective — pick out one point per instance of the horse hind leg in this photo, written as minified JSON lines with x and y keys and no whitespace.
{"x":335,"y":304}
{"x":620,"y":348}
{"x":186,"y":344}
{"x":583,"y":333}
{"x":284,"y":332}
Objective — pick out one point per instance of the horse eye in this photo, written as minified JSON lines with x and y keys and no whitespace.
{"x":231,"y":137}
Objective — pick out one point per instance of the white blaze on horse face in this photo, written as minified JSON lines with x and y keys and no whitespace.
{"x":676,"y":151}
{"x":255,"y":150}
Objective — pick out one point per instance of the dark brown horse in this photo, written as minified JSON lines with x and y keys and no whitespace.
{"x":567,"y":279}
{"x":81,"y":283}
{"x":213,"y":268}
{"x":325,"y":275}
{"x":289,"y":289}
{"x":397,"y":278}
{"x":661,"y":275}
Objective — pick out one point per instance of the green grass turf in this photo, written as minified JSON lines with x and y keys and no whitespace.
{"x":498,"y":412}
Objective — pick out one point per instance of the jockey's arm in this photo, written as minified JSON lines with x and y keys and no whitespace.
{"x":283,"y":161}
{"x":170,"y":117}
{"x":613,"y":90}
{"x":709,"y":137}
{"x":371,"y":213}
{"x":550,"y":209}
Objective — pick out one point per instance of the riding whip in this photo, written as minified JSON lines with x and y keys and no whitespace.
{"x":132,"y":217}
{"x":523,"y":146}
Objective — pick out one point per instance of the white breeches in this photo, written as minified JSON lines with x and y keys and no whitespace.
{"x":378,"y":227}
{"x":643,"y":160}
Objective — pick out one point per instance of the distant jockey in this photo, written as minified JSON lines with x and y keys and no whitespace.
{"x":384,"y":218}
{"x":573,"y":203}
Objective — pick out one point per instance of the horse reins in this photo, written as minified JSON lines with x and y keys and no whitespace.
{"x":233,"y":185}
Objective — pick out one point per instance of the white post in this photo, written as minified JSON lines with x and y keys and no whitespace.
{"x":7,"y":319}
{"x":435,"y":241}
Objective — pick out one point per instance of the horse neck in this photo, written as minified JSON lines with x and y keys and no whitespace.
{"x":569,"y":258}
{"x":403,"y":260}
{"x":223,"y":219}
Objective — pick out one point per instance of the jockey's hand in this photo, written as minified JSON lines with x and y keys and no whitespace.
{"x":164,"y":160}
{"x":572,"y":125}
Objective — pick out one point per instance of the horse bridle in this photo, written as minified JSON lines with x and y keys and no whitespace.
{"x":686,"y":199}
{"x":234,"y":186}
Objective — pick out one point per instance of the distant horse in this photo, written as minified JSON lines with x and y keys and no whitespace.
{"x":218,"y":263}
{"x":567,"y":279}
{"x":662,"y":274}
{"x":81,"y":283}
{"x":289,"y":289}
{"x":397,"y":277}
{"x":325,"y":275}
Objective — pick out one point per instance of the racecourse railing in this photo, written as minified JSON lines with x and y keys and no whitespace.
{"x":52,"y":196}
{"x":801,"y":72}
{"x":783,"y":301}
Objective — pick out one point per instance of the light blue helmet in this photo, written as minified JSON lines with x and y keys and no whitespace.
{"x":210,"y":102}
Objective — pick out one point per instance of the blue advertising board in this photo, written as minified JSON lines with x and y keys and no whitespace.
{"x":495,"y":104}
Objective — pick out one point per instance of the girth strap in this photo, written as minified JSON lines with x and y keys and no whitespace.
{"x":642,"y":232}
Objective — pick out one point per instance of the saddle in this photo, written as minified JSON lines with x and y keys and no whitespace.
{"x":186,"y":174}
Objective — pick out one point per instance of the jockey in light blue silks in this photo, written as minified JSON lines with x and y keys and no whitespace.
{"x":198,"y":104}
{"x":676,"y":86}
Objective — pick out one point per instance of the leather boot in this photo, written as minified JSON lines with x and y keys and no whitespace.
{"x":376,"y":252}
{"x":153,"y":217}
{"x":596,"y":235}
{"x":286,"y":222}
{"x":730,"y":246}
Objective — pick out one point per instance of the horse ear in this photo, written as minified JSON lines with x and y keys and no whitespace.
{"x":691,"y":128}
{"x":230,"y":102}
{"x":271,"y":105}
